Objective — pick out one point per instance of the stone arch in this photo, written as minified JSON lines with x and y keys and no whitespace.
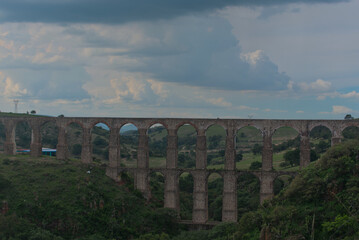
{"x":128,"y":144}
{"x":75,"y":121}
{"x":215,"y":196}
{"x":23,"y":132}
{"x":187,"y":123}
{"x":216,"y":123}
{"x":100,"y":134}
{"x":186,"y":146}
{"x":158,"y":121}
{"x":157,"y":188}
{"x":248,"y":192}
{"x":216,"y":145}
{"x":249,"y":144}
{"x":284,"y":139}
{"x":74,"y":138}
{"x":101,"y":121}
{"x":157,"y":145}
{"x":315,"y":124}
{"x":186,"y":187}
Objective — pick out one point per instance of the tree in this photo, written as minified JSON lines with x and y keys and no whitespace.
{"x":292,"y":157}
{"x":33,"y":112}
{"x":257,"y":149}
{"x":255,"y":165}
{"x":348,"y":117}
{"x":239,"y":156}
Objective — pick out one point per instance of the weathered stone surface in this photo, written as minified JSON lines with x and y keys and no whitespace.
{"x":171,"y":173}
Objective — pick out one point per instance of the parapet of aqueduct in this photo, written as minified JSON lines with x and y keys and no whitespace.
{"x":172,"y":172}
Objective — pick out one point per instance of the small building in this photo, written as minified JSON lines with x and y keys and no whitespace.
{"x":45,"y":151}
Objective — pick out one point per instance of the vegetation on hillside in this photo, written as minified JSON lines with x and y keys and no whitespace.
{"x":320,"y":203}
{"x":44,"y":198}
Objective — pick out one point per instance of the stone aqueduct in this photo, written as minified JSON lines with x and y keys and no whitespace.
{"x":171,"y":172}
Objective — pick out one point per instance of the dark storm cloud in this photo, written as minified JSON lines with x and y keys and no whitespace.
{"x":118,"y":11}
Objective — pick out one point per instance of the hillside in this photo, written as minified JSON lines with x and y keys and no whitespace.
{"x":43,"y":198}
{"x":320,"y":203}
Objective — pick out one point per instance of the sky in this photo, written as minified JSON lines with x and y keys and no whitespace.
{"x":275,"y":59}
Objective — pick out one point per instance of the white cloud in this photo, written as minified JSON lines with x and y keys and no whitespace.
{"x":350,"y":94}
{"x":317,"y":86}
{"x":300,"y":111}
{"x":158,"y":88}
{"x":9,"y":88}
{"x":337,"y":109}
{"x":253,"y":57}
{"x":243,"y":107}
{"x":220,"y":102}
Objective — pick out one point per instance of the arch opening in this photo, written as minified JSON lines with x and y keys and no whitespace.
{"x":74,"y":134}
{"x":216,"y":145}
{"x":186,"y":144}
{"x":281,"y":182}
{"x":186,"y":185}
{"x":320,"y":141}
{"x":126,"y":179}
{"x":249,"y":145}
{"x":128,"y":145}
{"x":351,"y":132}
{"x":248,"y":189}
{"x":49,"y":137}
{"x":215,"y":196}
{"x":286,"y":148}
{"x":2,"y":137}
{"x":100,"y":134}
{"x":23,"y":137}
{"x":157,"y":145}
{"x":157,"y":186}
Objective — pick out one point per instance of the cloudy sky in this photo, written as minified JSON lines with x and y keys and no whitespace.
{"x":296,"y":59}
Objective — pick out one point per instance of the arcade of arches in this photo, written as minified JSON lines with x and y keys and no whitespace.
{"x":171,"y":171}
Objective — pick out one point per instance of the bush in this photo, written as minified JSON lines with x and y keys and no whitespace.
{"x":292,"y":157}
{"x":255,"y":165}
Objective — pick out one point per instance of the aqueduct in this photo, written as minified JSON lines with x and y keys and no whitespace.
{"x":172,"y":172}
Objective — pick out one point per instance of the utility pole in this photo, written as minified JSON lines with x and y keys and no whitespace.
{"x":16,"y":101}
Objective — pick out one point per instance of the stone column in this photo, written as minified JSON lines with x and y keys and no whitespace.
{"x":10,"y":145}
{"x":230,"y":163}
{"x":172,"y":152}
{"x":61,"y":148}
{"x":201,"y":150}
{"x":267,"y":152}
{"x":171,"y":194}
{"x":86,"y":153}
{"x":304,"y":150}
{"x":266,"y":186}
{"x":336,"y":136}
{"x":35,"y":146}
{"x":113,"y":154}
{"x":200,"y":197}
{"x":229,"y":206}
{"x":336,"y":140}
{"x":142,"y":172}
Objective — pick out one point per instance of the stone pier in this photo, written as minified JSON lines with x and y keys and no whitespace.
{"x":172,"y":172}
